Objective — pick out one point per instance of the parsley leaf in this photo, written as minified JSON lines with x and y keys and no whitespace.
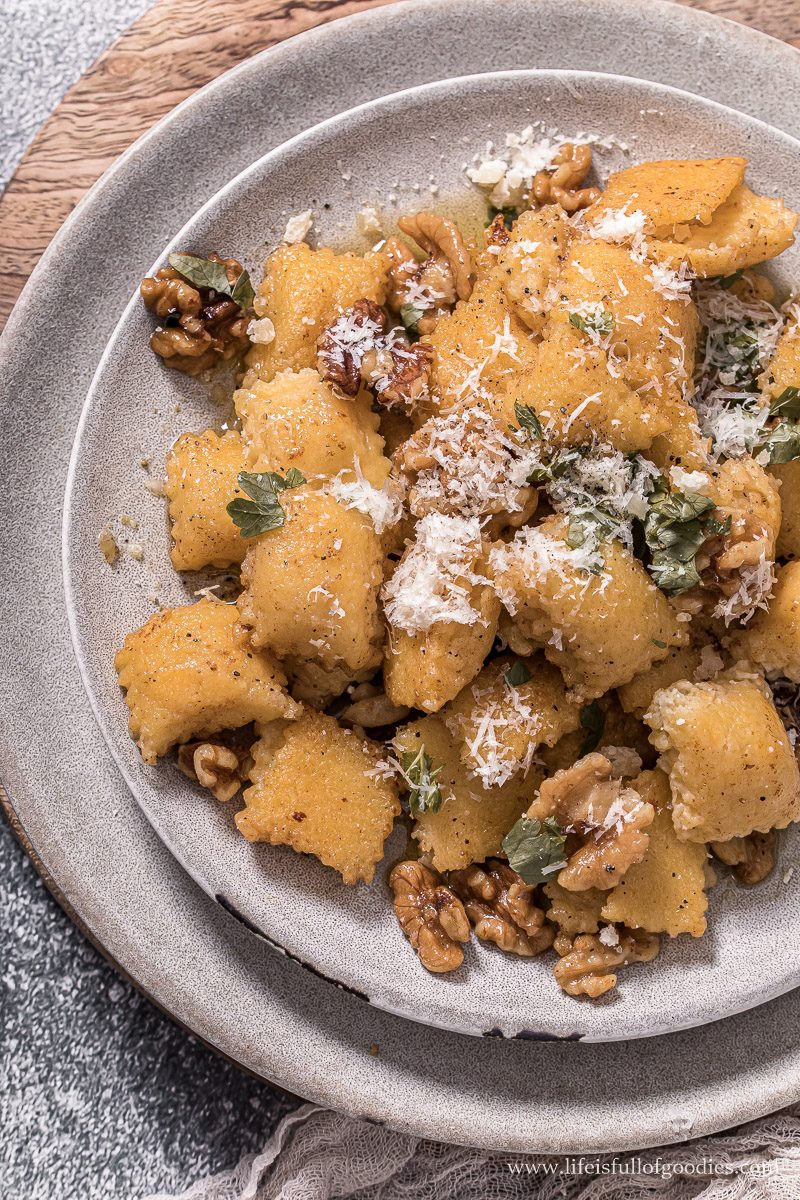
{"x":535,"y":849}
{"x":527,"y":419}
{"x":517,"y":674}
{"x":676,"y":526}
{"x":509,"y":214}
{"x":593,"y":720}
{"x":410,"y":315}
{"x":208,"y":273}
{"x":787,"y":404}
{"x":783,"y":442}
{"x":263,"y":511}
{"x":601,"y":322}
{"x":424,"y":793}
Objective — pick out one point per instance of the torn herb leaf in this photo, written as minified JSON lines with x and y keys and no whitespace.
{"x":509,"y":215}
{"x":558,"y":465}
{"x":782,"y":443}
{"x":727,"y":281}
{"x":211,"y":274}
{"x":593,"y":720}
{"x":535,"y":849}
{"x":410,"y":315}
{"x":424,"y":793}
{"x":787,"y":405}
{"x":601,"y":322}
{"x":527,"y":419}
{"x":517,"y":674}
{"x":590,"y":527}
{"x":263,"y":511}
{"x":676,"y":526}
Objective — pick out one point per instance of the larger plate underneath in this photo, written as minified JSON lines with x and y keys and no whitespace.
{"x":100,"y":854}
{"x":135,"y":409}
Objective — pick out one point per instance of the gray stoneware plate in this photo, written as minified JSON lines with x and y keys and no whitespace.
{"x":70,"y":801}
{"x":136,"y":408}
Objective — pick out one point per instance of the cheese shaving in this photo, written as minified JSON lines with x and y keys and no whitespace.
{"x":435,"y":577}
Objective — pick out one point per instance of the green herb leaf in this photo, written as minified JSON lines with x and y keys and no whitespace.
{"x":527,"y":419}
{"x":558,"y":465}
{"x":509,"y":214}
{"x":263,"y":511}
{"x":676,"y":526}
{"x":783,"y":442}
{"x":727,"y":281}
{"x":517,"y":674}
{"x":410,"y":315}
{"x":787,"y":405}
{"x":424,"y":793}
{"x":208,"y":273}
{"x":601,"y":322}
{"x":593,"y":720}
{"x":591,"y":527}
{"x":656,"y":642}
{"x":535,"y":849}
{"x":243,"y":293}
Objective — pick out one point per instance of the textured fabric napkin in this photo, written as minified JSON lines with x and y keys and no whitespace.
{"x":315,"y":1154}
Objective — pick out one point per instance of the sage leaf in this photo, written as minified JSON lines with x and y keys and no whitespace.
{"x":208,"y":273}
{"x":410,"y":315}
{"x":518,"y":674}
{"x":527,"y":419}
{"x":787,"y":405}
{"x":783,"y":442}
{"x":675,"y":527}
{"x":601,"y":322}
{"x":535,"y":849}
{"x":424,"y":793}
{"x":593,"y":720}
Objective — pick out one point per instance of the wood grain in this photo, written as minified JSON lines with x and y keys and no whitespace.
{"x":186,"y":43}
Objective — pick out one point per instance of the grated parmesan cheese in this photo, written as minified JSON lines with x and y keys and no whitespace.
{"x":382,"y":505}
{"x":476,"y":468}
{"x":261,"y":332}
{"x":298,"y":227}
{"x":434,"y":579}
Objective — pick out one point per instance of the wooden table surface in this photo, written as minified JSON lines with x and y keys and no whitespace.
{"x":186,"y":43}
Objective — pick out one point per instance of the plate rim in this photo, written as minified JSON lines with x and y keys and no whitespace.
{"x":768,"y":1088}
{"x":382,"y":994}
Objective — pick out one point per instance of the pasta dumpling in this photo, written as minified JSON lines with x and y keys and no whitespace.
{"x":202,"y":471}
{"x":314,"y":788}
{"x":511,"y":708}
{"x":189,"y":672}
{"x":665,"y":891}
{"x":303,"y":291}
{"x":731,"y":766}
{"x":599,"y":629}
{"x":471,"y":823}
{"x":311,"y":586}
{"x":772,"y":639}
{"x":298,"y":420}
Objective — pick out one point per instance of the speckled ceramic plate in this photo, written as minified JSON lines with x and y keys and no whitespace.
{"x":71,"y":802}
{"x":136,"y":408}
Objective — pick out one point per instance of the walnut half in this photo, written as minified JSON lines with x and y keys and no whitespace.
{"x":588,"y":964}
{"x":430,"y":915}
{"x":502,"y":908}
{"x":607,"y":817}
{"x":752,"y":858}
{"x":215,"y":767}
{"x":560,"y":184}
{"x":202,"y":327}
